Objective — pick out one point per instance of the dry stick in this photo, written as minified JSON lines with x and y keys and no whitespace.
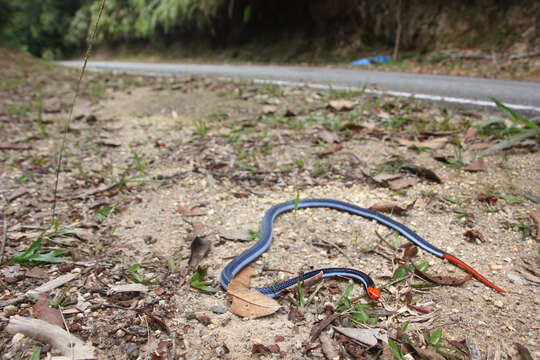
{"x":70,"y":115}
{"x":4,"y":236}
{"x":398,"y":31}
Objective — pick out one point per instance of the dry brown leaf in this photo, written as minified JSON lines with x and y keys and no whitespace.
{"x":42,"y":311}
{"x":393,"y":209}
{"x":535,"y":216}
{"x":199,"y":248}
{"x":442,"y":280}
{"x":249,"y":302}
{"x":472,"y":235}
{"x":191,"y":211}
{"x":481,"y":146}
{"x":401,"y":183}
{"x":245,"y":275}
{"x":341,"y":105}
{"x":330,"y":150}
{"x":365,"y":336}
{"x":328,"y":347}
{"x":423,"y":172}
{"x":384,"y":177}
{"x":233,"y":234}
{"x":437,"y":143}
{"x":476,"y":165}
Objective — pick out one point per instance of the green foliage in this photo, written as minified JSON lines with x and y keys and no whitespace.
{"x":37,"y":27}
{"x":396,"y":350}
{"x":35,"y":256}
{"x":197,"y":280}
{"x":136,"y":277}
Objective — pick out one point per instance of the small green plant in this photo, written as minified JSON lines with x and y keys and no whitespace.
{"x":35,"y":355}
{"x":140,"y":162}
{"x":133,"y":273}
{"x":296,"y":201}
{"x":511,"y":199}
{"x":455,"y":200}
{"x":403,"y":270}
{"x":104,"y":212}
{"x":434,"y":337}
{"x":457,"y":161}
{"x":197,"y":280}
{"x":200,"y":127}
{"x":529,"y":129}
{"x":174,"y":262}
{"x":24,"y":178}
{"x":246,"y":166}
{"x":396,"y":351}
{"x":460,"y":213}
{"x":61,"y":301}
{"x":519,"y":226}
{"x":299,"y":163}
{"x":253,"y":234}
{"x":302,"y":301}
{"x":35,"y":256}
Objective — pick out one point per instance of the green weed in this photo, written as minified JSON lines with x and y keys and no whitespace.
{"x":200,"y":127}
{"x":133,"y":273}
{"x":174,"y":262}
{"x":197,"y":280}
{"x":35,"y":256}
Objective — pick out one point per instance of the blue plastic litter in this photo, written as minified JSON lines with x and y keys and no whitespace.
{"x":381,"y":59}
{"x":361,"y":62}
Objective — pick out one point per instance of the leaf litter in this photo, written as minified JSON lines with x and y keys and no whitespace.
{"x":120,"y":199}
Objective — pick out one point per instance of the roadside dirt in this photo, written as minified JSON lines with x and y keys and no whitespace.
{"x":141,"y":151}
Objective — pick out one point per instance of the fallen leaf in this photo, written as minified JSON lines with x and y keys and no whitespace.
{"x":194,"y":211}
{"x":408,"y":298}
{"x":410,"y":251}
{"x":233,"y":234}
{"x":317,"y":329}
{"x":354,"y":128}
{"x":385,"y":177}
{"x":249,"y":302}
{"x":535,"y":216}
{"x":42,"y":311}
{"x":476,"y":165}
{"x":36,"y":273}
{"x":442,"y":280}
{"x":328,"y":347}
{"x":199,"y":248}
{"x":490,"y":199}
{"x":423,"y":172}
{"x":401,"y":183}
{"x":472,"y":235}
{"x":392,"y":209}
{"x":274,"y":348}
{"x":365,"y":336}
{"x":328,"y":137}
{"x":244,"y":276}
{"x":341,"y":105}
{"x":481,"y":146}
{"x":437,"y":143}
{"x":330,"y":150}
{"x":259,"y":349}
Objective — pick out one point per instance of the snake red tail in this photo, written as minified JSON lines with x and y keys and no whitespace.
{"x":471,"y":271}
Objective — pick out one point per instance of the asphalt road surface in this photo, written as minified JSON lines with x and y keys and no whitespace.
{"x":523,"y":96}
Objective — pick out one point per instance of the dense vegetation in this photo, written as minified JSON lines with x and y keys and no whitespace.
{"x":56,"y":28}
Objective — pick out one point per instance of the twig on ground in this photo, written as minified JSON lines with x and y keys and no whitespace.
{"x":277,"y":270}
{"x":4,"y":236}
{"x":68,"y":345}
{"x":384,"y":240}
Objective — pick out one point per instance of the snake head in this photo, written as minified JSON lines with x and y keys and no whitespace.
{"x":374,"y":293}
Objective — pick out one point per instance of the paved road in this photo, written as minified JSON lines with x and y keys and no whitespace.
{"x":520,"y":95}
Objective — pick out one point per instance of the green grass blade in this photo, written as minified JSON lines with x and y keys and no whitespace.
{"x":513,"y":115}
{"x":511,"y":141}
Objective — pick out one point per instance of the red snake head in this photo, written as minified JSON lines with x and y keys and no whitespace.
{"x":374,"y":293}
